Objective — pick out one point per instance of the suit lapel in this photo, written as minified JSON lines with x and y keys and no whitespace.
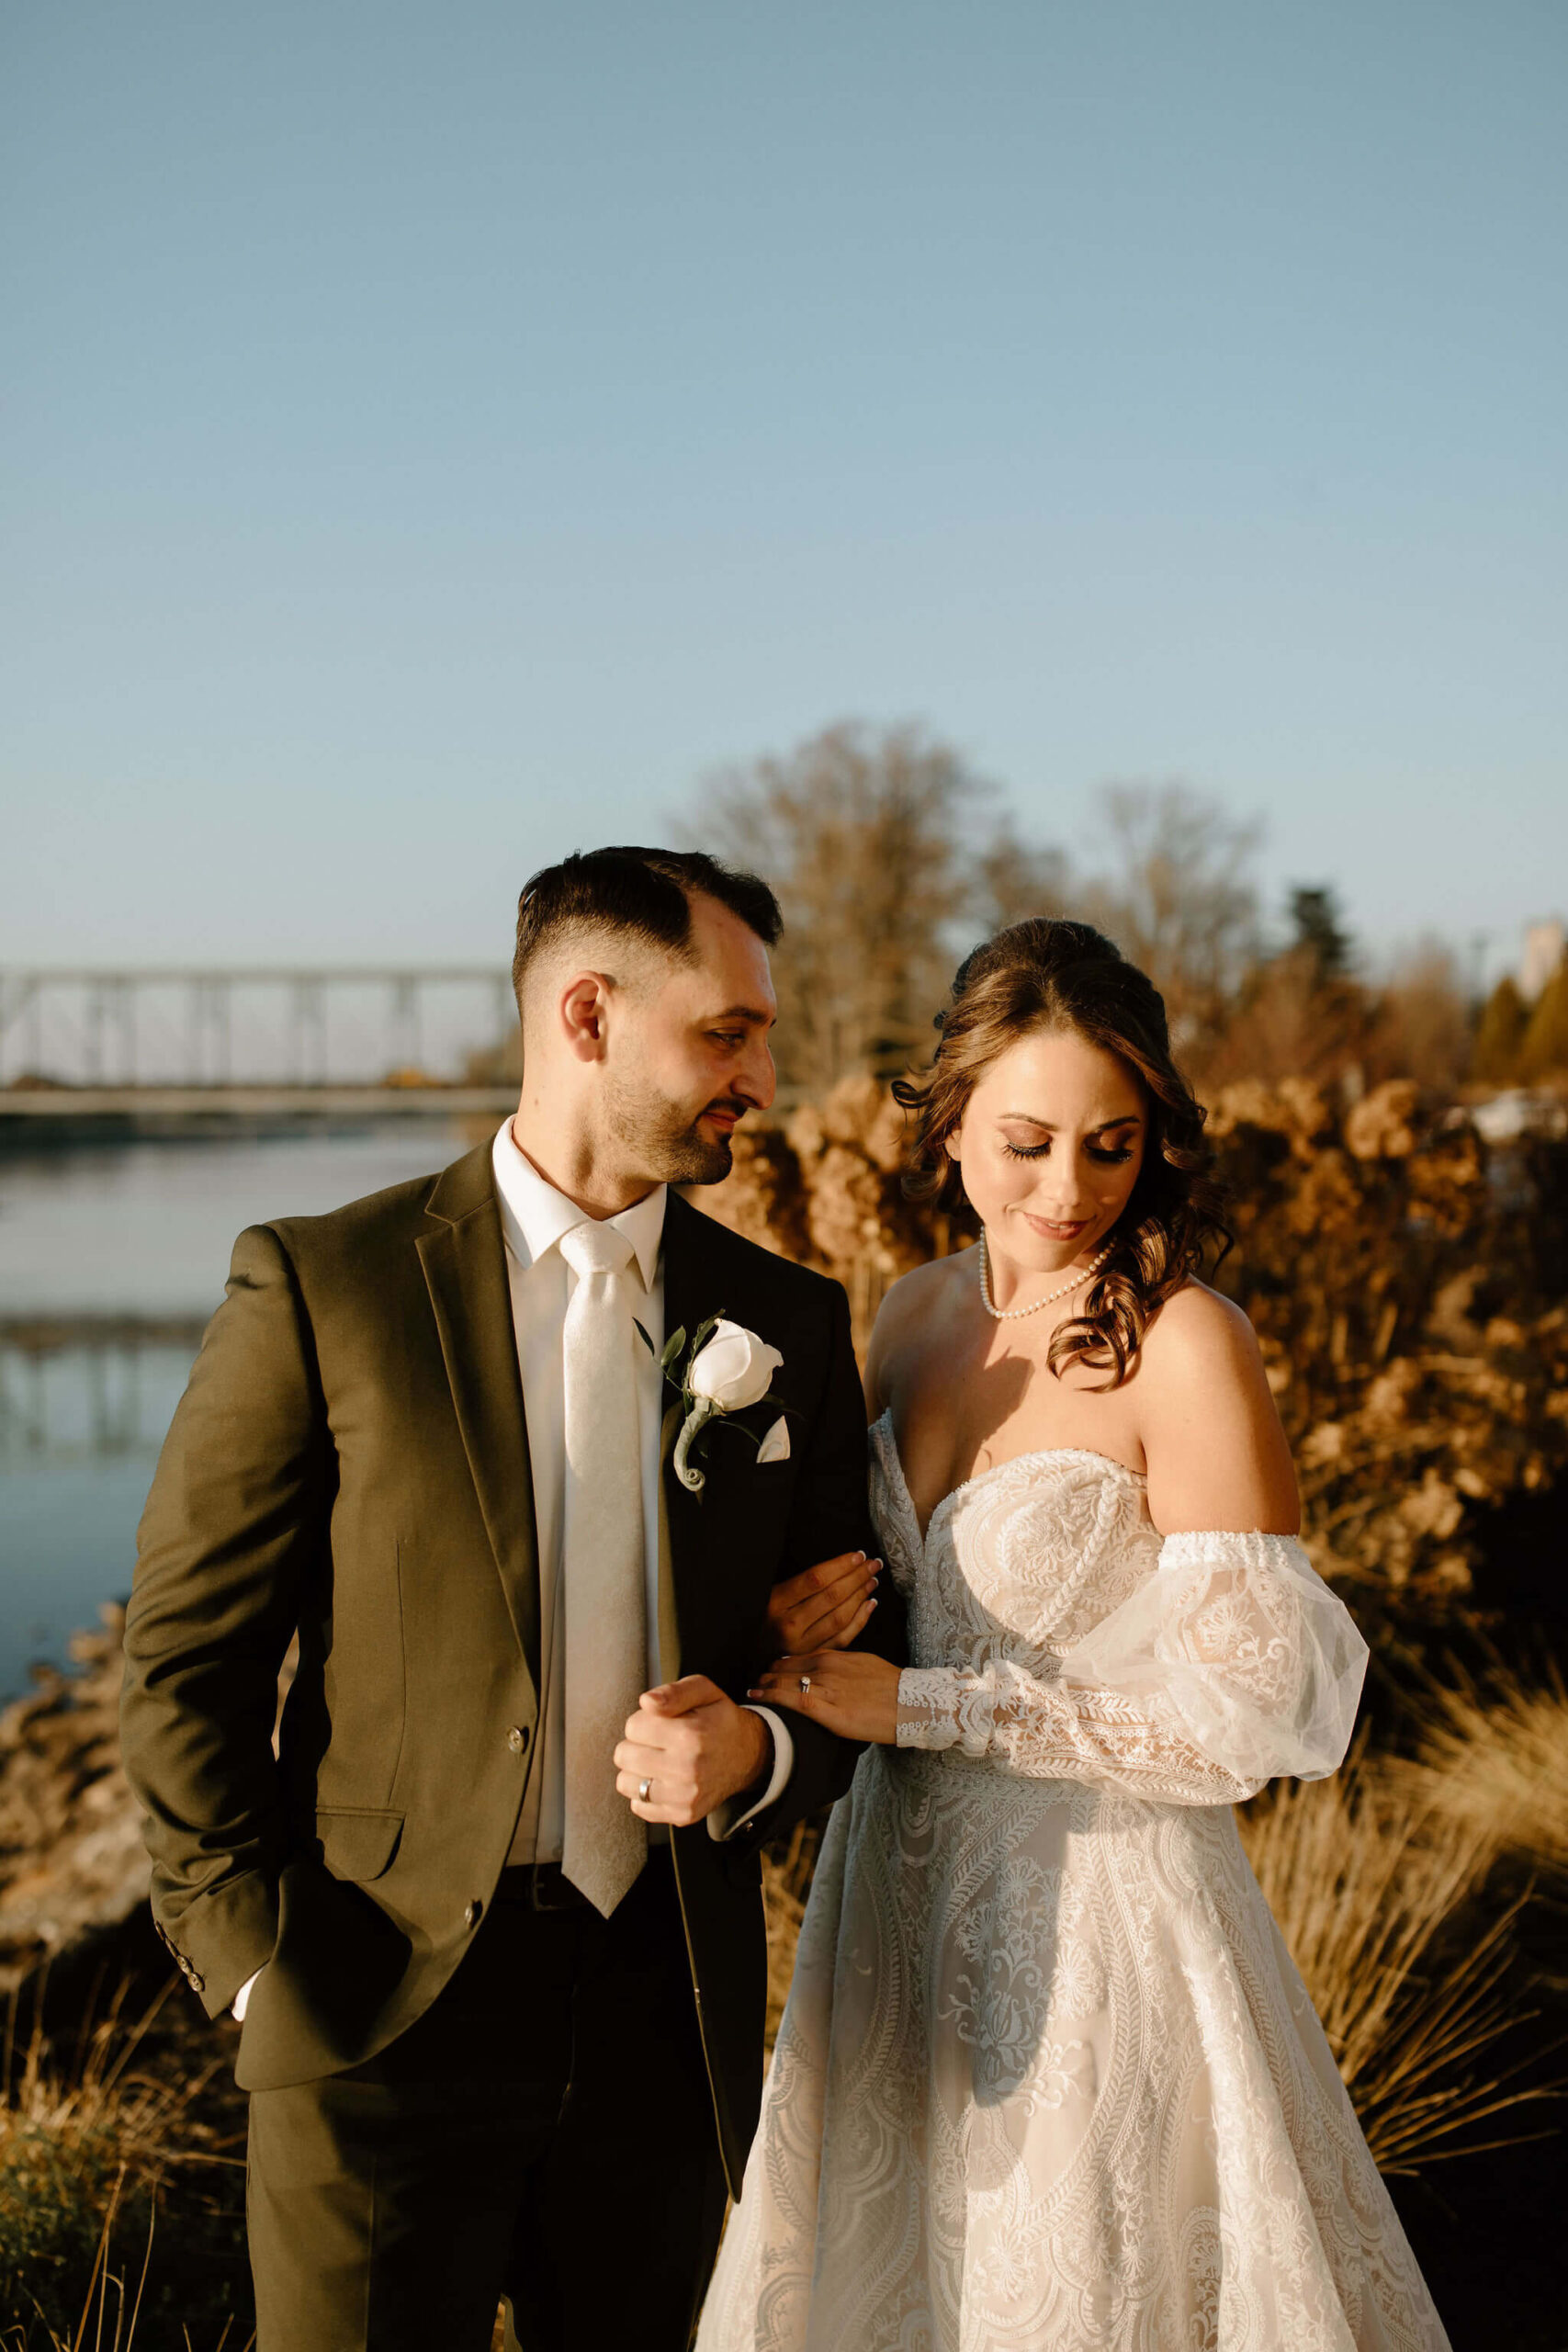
{"x":464,"y":1259}
{"x":694,"y":1534}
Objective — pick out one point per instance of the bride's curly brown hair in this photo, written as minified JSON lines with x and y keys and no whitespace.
{"x":1051,"y":974}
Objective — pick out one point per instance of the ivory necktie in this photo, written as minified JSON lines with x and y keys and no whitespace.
{"x":603,"y":1587}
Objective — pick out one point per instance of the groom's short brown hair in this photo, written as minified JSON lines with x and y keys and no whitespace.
{"x":644,"y":893}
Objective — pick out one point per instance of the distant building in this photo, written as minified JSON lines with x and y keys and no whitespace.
{"x":1544,"y":950}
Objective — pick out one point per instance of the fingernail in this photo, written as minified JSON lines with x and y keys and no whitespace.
{"x":753,"y":1694}
{"x":859,"y":1555}
{"x":871,"y":1605}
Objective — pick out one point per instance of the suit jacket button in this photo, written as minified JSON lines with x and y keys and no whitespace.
{"x":198,"y":1982}
{"x":517,"y":1739}
{"x":471,"y":1916}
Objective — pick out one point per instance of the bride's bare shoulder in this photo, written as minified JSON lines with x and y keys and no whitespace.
{"x":1198,"y":1329}
{"x":1217,"y":1453}
{"x":913,"y":1304}
{"x":924,"y":1287}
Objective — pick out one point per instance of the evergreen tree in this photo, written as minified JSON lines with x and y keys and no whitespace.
{"x":1319,"y":935}
{"x":1544,"y":1053}
{"x":1499,"y":1034}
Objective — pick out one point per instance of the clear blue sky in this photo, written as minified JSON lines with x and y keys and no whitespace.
{"x":436,"y":436}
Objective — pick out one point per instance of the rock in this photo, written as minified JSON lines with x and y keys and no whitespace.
{"x":71,"y":1859}
{"x":73,"y":1864}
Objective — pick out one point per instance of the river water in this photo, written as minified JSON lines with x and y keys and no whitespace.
{"x":112,"y":1255}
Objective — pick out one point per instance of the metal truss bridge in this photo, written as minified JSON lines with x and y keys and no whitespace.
{"x":254,"y":1039}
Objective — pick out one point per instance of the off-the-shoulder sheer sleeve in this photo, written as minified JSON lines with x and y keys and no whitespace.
{"x":1232,"y":1664}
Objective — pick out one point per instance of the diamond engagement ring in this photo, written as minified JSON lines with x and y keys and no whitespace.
{"x":644,"y":1791}
{"x":804,"y":1685}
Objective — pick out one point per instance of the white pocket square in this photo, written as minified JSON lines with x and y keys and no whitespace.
{"x":775,"y":1446}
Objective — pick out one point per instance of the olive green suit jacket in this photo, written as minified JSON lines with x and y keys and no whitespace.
{"x":350,"y":1461}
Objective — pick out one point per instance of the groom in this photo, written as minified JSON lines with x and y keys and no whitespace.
{"x":492,"y":1913}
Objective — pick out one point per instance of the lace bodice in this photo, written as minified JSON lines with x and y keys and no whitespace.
{"x":1054,"y":1634}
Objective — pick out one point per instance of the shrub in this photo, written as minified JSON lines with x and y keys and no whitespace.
{"x":1408,"y":1283}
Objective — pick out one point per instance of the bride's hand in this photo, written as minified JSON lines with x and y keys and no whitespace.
{"x":823,"y":1608}
{"x":852,"y":1692}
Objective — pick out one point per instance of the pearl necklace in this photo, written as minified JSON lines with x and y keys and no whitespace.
{"x":1011,"y":1314}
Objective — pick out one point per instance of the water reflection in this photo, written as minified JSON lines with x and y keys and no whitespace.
{"x":112,"y":1257}
{"x":97,"y":1396}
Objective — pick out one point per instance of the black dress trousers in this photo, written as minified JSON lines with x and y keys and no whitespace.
{"x":544,"y":2132}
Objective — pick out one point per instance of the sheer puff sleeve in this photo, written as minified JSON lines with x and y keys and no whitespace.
{"x":1231,"y":1664}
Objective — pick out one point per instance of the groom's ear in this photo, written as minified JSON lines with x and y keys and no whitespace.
{"x":581,"y":1006}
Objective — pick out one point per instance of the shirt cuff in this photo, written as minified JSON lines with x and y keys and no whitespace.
{"x":237,"y":2008}
{"x":723,"y":1822}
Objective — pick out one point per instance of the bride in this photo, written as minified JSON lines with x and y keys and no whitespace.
{"x":1047,"y":2077}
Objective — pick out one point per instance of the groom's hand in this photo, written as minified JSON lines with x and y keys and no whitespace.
{"x":694,"y":1747}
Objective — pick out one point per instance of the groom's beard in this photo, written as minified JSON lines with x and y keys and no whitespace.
{"x":664,"y":1139}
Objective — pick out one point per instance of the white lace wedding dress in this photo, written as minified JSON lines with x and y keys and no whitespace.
{"x":1047,"y":2077}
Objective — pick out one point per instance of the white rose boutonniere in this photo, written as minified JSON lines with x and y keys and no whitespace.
{"x":733,"y":1369}
{"x":727,"y":1369}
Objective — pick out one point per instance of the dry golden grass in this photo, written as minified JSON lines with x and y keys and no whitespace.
{"x":1376,"y":1892}
{"x":787,"y":1882}
{"x":1494,"y":1761}
{"x":90,"y":2141}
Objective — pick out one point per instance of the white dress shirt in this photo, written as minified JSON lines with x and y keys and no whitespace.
{"x":533,"y":1218}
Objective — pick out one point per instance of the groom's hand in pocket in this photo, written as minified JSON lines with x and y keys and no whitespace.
{"x":694,"y":1747}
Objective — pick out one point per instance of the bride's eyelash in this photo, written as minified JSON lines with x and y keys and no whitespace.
{"x":1038,"y":1151}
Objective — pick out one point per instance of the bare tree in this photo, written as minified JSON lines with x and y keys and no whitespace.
{"x":1423,"y":1027}
{"x":1287,"y":1021}
{"x":865,"y":836}
{"x":890,"y":861}
{"x":1299,"y":1014}
{"x":1014,"y":879}
{"x":1179,"y":900}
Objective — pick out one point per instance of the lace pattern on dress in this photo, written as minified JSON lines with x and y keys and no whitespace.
{"x":1047,"y":2080}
